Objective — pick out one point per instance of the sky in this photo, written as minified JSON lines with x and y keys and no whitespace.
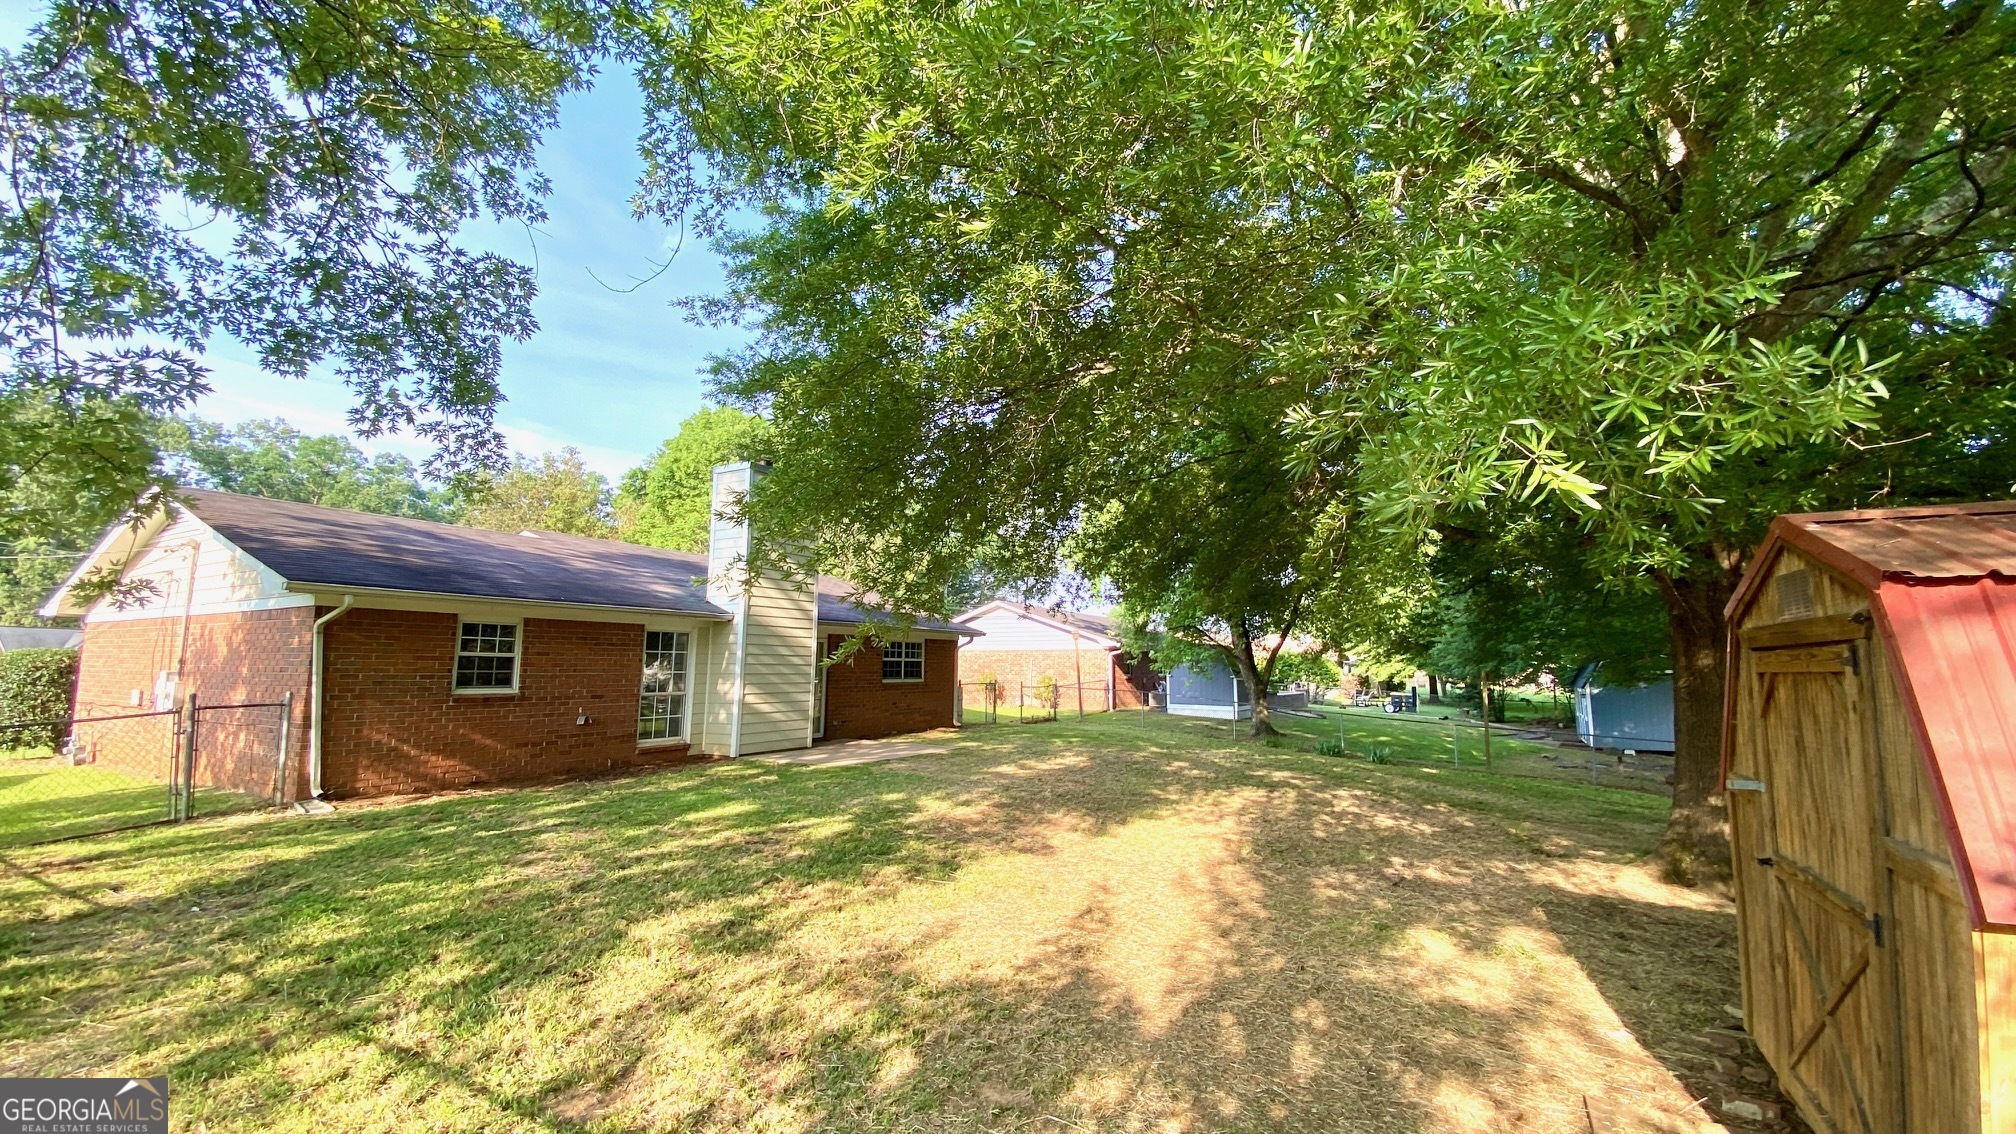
{"x":609,"y":372}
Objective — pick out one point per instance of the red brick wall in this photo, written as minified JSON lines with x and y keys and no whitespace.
{"x":392,"y":724}
{"x":1133,"y":679}
{"x":252,"y":656}
{"x":1130,"y":683}
{"x":860,"y":704}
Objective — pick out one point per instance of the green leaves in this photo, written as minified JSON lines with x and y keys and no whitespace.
{"x":275,"y":460}
{"x":1653,"y":275}
{"x":289,"y":174}
{"x":667,"y":501}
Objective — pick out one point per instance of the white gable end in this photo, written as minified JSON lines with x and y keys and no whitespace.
{"x":1007,"y":629}
{"x":190,"y":569}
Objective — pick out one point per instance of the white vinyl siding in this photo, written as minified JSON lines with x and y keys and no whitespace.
{"x":777,"y":638}
{"x":186,"y":551}
{"x":777,"y":698}
{"x":1006,"y":630}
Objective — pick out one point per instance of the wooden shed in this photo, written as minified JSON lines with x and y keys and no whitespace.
{"x":1869,"y":752}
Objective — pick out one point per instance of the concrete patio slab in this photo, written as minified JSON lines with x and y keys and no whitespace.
{"x":845,"y":753}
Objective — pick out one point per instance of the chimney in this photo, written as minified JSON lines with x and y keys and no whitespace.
{"x":768,"y":664}
{"x":727,"y":535}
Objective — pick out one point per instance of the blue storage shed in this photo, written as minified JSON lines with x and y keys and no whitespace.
{"x":1639,"y":717}
{"x":1208,"y":690}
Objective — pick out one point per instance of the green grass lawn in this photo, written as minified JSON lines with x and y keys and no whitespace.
{"x":41,"y":800}
{"x":1430,"y":740}
{"x":1133,"y":922}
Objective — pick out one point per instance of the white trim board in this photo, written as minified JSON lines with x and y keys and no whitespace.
{"x":1216,"y":712}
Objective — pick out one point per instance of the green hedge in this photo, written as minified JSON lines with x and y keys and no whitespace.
{"x":35,"y":685}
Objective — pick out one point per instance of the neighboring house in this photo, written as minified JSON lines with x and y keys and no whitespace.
{"x":421,"y":655}
{"x":1638,"y":717}
{"x":39,"y":638}
{"x":1023,"y":644}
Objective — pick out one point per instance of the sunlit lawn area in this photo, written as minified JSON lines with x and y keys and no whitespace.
{"x":42,"y":800}
{"x":1130,"y":923}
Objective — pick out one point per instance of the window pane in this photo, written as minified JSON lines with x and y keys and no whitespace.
{"x":661,"y":702}
{"x":486,"y":656}
{"x":903,"y":661}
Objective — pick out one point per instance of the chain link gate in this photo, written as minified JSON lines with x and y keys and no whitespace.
{"x":73,"y":776}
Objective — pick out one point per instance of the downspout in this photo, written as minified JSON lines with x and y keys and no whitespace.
{"x":315,"y":695}
{"x":195,"y":549}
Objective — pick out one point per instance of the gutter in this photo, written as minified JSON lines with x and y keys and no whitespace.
{"x":315,"y":695}
{"x":311,"y":587}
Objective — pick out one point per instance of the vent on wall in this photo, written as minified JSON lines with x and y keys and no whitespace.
{"x":1795,"y":595}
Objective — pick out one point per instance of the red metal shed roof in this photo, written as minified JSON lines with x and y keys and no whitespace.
{"x":1943,"y":586}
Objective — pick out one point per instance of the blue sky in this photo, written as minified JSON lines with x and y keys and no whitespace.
{"x":611,"y":373}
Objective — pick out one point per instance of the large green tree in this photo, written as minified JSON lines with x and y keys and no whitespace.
{"x":1678,"y":266}
{"x":666,"y":502}
{"x":1526,"y":599}
{"x":288,"y":173}
{"x":557,"y":492}
{"x":273,"y":459}
{"x":1213,"y":555}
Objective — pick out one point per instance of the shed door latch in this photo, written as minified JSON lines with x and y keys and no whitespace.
{"x":1875,"y":924}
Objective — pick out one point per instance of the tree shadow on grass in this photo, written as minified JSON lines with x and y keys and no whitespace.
{"x":1035,"y":932}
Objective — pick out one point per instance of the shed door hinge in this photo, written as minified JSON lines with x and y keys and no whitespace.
{"x":1875,"y":924}
{"x":1737,"y":784}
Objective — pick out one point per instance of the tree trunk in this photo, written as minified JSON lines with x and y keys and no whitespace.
{"x":1695,"y":848}
{"x":1248,"y":669}
{"x":1434,"y":690}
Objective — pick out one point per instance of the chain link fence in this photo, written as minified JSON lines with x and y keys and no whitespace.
{"x":1030,"y":702}
{"x":68,"y":777}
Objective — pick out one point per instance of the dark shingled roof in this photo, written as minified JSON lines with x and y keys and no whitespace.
{"x":38,"y":638}
{"x":334,"y":547}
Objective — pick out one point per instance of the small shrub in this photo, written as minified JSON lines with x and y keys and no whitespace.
{"x":1378,"y":754}
{"x":1046,"y":691}
{"x":35,"y":685}
{"x":1329,"y":748}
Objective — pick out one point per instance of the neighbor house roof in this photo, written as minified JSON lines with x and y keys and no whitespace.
{"x":1096,"y":626}
{"x":38,"y":638}
{"x":1942,"y":582}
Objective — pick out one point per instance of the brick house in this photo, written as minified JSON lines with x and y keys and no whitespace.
{"x":1023,"y":644}
{"x":422,"y":656}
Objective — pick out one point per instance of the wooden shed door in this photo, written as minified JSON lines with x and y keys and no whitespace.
{"x":1812,"y":880}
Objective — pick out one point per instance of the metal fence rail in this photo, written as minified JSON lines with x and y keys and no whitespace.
{"x":86,"y":775}
{"x":979,"y":702}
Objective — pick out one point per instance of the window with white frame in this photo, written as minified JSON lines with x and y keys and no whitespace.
{"x":903,"y":661}
{"x":661,"y":704}
{"x":486,"y":658}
